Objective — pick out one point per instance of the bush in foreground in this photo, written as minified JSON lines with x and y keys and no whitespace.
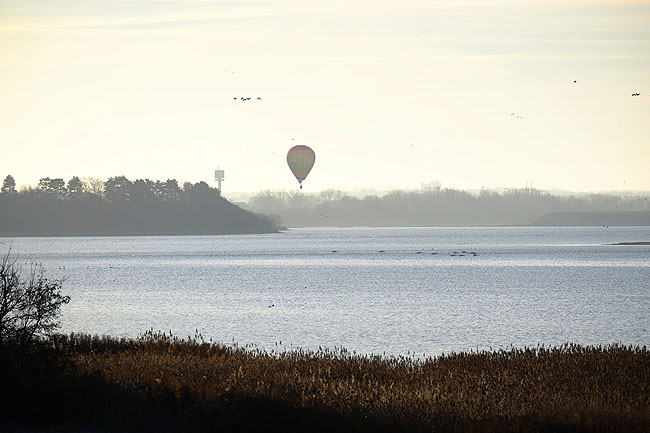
{"x":29,"y":306}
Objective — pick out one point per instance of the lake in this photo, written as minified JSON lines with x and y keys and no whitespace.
{"x":393,"y":291}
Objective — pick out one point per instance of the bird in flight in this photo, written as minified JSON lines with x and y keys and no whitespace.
{"x":636,"y":94}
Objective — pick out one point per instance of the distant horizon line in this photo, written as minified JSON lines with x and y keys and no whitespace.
{"x":424,"y":186}
{"x":370,"y":190}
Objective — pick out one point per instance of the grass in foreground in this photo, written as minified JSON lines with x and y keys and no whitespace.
{"x":160,"y":383}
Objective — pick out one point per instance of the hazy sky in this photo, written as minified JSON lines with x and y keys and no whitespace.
{"x":387,"y":93}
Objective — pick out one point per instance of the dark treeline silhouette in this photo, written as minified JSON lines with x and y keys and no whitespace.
{"x":451,"y":207}
{"x":120,"y":206}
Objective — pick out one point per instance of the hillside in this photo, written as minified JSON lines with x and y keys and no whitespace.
{"x":123,"y":209}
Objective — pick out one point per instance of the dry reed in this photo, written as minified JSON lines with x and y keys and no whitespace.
{"x":568,"y":388}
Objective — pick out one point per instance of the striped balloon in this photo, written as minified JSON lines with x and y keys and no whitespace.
{"x":300,"y":159}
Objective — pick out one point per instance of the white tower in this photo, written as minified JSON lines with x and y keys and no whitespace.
{"x":218,"y":176}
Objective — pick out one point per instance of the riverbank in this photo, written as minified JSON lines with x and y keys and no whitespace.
{"x":632,"y":243}
{"x":593,"y":219}
{"x":160,"y":383}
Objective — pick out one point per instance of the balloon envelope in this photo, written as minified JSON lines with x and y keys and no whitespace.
{"x":300,"y":159}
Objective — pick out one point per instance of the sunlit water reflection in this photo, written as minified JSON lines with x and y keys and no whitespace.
{"x":379,"y":290}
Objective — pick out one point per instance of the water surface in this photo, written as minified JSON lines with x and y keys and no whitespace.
{"x":371,"y":290}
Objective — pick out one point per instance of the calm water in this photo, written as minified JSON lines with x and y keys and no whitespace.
{"x":379,"y":290}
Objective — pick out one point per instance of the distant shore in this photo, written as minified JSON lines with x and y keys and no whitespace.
{"x":632,"y":243}
{"x":595,"y":219}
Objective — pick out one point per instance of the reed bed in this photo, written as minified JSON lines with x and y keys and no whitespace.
{"x":192,"y":385}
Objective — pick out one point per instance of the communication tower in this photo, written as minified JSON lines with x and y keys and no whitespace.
{"x":218,"y":176}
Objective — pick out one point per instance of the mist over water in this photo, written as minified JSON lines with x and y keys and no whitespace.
{"x":371,"y":290}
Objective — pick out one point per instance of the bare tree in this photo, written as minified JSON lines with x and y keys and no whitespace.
{"x":269,"y":200}
{"x":93,"y":186}
{"x":330,"y":195}
{"x":298,"y":200}
{"x":29,"y":307}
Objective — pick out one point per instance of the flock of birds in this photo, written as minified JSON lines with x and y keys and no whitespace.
{"x":633,"y":94}
{"x":517,"y":116}
{"x":462,"y":253}
{"x":513,"y":115}
{"x":453,"y":254}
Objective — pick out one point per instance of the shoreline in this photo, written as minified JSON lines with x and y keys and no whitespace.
{"x":131,"y":234}
{"x":631,"y":243}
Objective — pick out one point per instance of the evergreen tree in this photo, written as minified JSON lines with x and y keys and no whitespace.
{"x":75,"y":187}
{"x":142,"y":190}
{"x":9,"y":185}
{"x":117,"y":189}
{"x":172,"y":192}
{"x":52,"y":187}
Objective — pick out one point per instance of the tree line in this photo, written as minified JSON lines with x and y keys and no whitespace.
{"x":119,"y":206}
{"x":115,"y":189}
{"x":437,"y":207}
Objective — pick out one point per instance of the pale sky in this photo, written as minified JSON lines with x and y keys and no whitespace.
{"x":387,"y":93}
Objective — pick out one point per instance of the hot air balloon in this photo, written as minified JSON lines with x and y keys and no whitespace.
{"x":300,"y":159}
